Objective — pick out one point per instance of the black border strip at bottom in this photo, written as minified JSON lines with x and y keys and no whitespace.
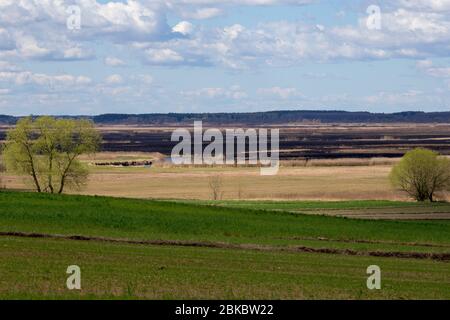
{"x":223,"y":309}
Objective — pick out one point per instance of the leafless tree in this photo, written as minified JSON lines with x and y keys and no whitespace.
{"x":240,"y":193}
{"x":215,"y":185}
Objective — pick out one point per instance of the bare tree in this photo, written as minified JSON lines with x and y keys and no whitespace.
{"x":215,"y":185}
{"x":240,"y":192}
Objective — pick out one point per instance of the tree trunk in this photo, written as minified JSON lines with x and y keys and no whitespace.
{"x":64,"y":174}
{"x":50,"y":177}
{"x":36,"y":182}
{"x":33,"y":170}
{"x":61,"y":187}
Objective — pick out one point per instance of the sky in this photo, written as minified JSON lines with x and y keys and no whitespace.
{"x":85,"y":57}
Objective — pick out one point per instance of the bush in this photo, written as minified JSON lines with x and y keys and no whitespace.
{"x":422,"y":173}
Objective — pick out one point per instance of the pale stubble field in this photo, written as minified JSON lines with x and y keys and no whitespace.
{"x":244,"y":183}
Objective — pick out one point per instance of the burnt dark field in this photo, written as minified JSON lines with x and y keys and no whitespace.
{"x":327,"y":141}
{"x":306,"y":141}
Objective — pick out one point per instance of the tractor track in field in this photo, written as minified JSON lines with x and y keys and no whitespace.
{"x":220,"y":245}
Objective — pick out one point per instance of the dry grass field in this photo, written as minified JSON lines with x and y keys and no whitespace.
{"x":330,"y":183}
{"x":339,"y":181}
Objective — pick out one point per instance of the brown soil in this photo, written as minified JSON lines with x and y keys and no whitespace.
{"x":221,"y":245}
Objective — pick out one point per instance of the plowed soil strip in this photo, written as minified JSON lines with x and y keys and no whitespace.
{"x":221,"y":245}
{"x":358,"y":214}
{"x":412,"y":244}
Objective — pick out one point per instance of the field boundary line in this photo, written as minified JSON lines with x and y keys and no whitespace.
{"x":221,"y":245}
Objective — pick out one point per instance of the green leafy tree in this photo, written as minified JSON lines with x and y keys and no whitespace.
{"x":422,"y":173}
{"x":47,"y":150}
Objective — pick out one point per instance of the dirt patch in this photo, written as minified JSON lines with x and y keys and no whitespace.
{"x":420,"y":213}
{"x":221,"y":245}
{"x":413,"y":244}
{"x":402,"y":216}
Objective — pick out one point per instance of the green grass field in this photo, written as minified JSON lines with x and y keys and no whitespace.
{"x":214,"y":251}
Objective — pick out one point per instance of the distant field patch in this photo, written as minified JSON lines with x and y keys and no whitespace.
{"x":383,"y":210}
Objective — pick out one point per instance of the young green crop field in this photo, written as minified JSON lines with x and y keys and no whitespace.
{"x":171,"y":250}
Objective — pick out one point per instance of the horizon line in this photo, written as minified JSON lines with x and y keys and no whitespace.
{"x":213,"y":113}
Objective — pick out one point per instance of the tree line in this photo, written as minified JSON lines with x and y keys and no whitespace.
{"x":260,"y":118}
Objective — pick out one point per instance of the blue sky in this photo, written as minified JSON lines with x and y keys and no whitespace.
{"x":223,"y":56}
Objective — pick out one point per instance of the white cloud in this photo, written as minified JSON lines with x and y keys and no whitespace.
{"x":430,"y":5}
{"x":8,"y":66}
{"x":138,"y":30}
{"x":38,"y":29}
{"x":417,"y":30}
{"x":241,"y":2}
{"x":76,"y":53}
{"x":207,"y":9}
{"x":284,"y":93}
{"x":184,"y":28}
{"x":114,"y":91}
{"x":134,"y":18}
{"x":114,"y":62}
{"x":41,"y":79}
{"x":114,"y":79}
{"x":405,"y":34}
{"x":145,"y":78}
{"x":202,"y":13}
{"x":234,"y":92}
{"x":395,"y":98}
{"x":163,"y":56}
{"x":429,"y":68}
{"x":29,"y":47}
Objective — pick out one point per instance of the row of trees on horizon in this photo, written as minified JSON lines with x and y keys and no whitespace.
{"x":269,"y":117}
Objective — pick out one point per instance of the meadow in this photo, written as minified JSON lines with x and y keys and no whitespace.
{"x":130,"y":248}
{"x":337,"y":183}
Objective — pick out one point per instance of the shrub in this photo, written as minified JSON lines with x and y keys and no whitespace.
{"x":422,"y":173}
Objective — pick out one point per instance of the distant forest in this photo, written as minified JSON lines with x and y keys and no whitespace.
{"x":259,"y":118}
